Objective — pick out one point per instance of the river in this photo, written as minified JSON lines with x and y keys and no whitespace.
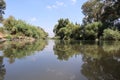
{"x":60,"y":60}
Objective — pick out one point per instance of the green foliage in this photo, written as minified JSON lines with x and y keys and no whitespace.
{"x":2,"y":30}
{"x":21,"y":28}
{"x":92,"y":31}
{"x":104,"y":11}
{"x":73,"y":31}
{"x":61,"y":24}
{"x":110,"y":34}
{"x":2,"y":8}
{"x":10,"y":23}
{"x":9,"y":37}
{"x":76,"y":32}
{"x":92,"y":9}
{"x":67,"y":30}
{"x":111,"y":11}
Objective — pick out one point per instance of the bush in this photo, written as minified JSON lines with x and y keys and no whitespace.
{"x":92,"y":30}
{"x":110,"y":34}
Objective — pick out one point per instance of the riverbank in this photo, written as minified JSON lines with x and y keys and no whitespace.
{"x":5,"y":37}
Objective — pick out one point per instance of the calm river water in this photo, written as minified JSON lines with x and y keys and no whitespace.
{"x":60,"y":60}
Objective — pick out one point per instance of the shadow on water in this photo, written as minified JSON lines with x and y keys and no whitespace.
{"x":100,"y":61}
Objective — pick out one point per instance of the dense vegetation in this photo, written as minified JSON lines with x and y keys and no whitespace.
{"x":101,"y":21}
{"x":20,"y":29}
{"x":108,"y":13}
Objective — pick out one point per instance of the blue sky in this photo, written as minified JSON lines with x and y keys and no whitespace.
{"x":45,"y":13}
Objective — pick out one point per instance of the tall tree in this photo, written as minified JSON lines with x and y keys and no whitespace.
{"x":67,"y":30}
{"x":61,"y":23}
{"x":92,"y":11}
{"x":106,"y":11}
{"x":2,"y":8}
{"x":110,"y":11}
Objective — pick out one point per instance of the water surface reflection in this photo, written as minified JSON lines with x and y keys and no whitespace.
{"x":100,"y":62}
{"x":60,"y":60}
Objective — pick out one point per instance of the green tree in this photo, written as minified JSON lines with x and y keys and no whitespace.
{"x":61,"y":23}
{"x":9,"y":24}
{"x":93,"y":31}
{"x":66,"y":30}
{"x":92,"y":11}
{"x":2,"y":8}
{"x":74,"y":31}
{"x":106,"y":11}
{"x":110,"y":11}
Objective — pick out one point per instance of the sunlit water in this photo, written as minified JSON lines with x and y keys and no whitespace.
{"x":60,"y":60}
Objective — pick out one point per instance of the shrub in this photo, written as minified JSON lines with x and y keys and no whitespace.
{"x":110,"y":34}
{"x":14,"y":27}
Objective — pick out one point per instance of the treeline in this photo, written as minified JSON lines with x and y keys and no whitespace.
{"x":67,"y":30}
{"x":18,"y":28}
{"x":101,"y":21}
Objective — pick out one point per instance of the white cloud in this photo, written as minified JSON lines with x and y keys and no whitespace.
{"x":49,"y":7}
{"x":59,"y":3}
{"x":74,"y":1}
{"x":33,"y":19}
{"x":56,"y":5}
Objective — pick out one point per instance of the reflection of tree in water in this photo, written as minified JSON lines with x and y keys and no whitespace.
{"x":2,"y":69}
{"x":66,"y":49}
{"x":95,"y":51}
{"x":100,"y":62}
{"x":112,"y":47}
{"x":14,"y":50}
{"x":102,"y":69}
